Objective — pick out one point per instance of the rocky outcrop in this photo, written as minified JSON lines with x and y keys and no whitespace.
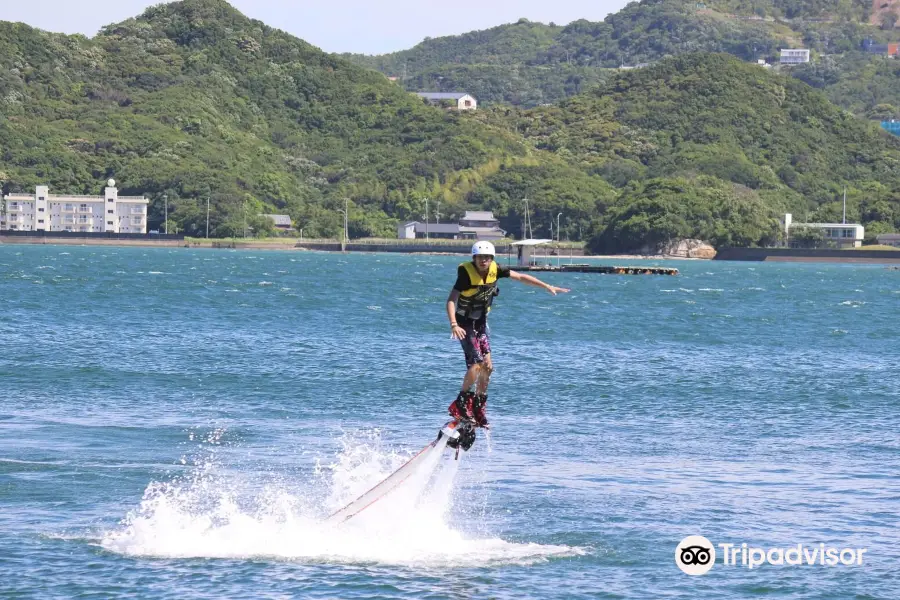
{"x":687,"y":249}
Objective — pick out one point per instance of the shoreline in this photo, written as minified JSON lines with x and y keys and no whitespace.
{"x":227,"y":245}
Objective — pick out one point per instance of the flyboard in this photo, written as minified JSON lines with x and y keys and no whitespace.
{"x":455,"y":434}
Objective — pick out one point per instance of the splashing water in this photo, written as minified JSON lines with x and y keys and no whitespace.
{"x":207,"y":514}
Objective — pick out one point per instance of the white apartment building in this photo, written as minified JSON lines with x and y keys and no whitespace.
{"x":43,"y":212}
{"x":794,"y":56}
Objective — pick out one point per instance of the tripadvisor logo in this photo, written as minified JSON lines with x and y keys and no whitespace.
{"x":696,"y":555}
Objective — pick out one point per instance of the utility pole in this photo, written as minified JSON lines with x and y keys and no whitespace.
{"x":245,"y":218}
{"x":344,"y":230}
{"x":844,"y":220}
{"x":207,"y":217}
{"x":3,"y":208}
{"x":166,"y":201}
{"x":426,"y":219}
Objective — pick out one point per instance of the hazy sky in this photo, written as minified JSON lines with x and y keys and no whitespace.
{"x":365,"y":26}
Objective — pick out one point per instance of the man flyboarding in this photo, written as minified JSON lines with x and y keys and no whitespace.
{"x":467,"y":308}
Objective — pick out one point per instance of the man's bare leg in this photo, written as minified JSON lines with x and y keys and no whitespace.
{"x":484,"y":374}
{"x":479,"y":403}
{"x":472,"y":375}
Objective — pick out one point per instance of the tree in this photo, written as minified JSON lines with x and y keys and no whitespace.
{"x":802,"y":236}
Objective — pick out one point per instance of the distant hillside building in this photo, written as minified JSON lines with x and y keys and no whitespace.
{"x":843,"y":235}
{"x":475,"y":225}
{"x":481,"y":225}
{"x":463,"y":101}
{"x":414,"y":229}
{"x":282,"y":222}
{"x":794,"y":56}
{"x":892,"y":49}
{"x":889,"y":239}
{"x":43,"y":212}
{"x":892,"y":126}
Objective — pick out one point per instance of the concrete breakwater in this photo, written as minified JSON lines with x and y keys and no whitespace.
{"x":808,"y":255}
{"x":430,"y":248}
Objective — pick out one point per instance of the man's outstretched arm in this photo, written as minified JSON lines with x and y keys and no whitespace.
{"x":525,"y":278}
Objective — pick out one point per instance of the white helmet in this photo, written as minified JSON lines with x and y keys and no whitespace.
{"x":483,"y":248}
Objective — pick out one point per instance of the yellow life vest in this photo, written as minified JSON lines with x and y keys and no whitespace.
{"x":475,"y":302}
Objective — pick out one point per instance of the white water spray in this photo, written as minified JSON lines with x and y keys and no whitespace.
{"x":210,"y":515}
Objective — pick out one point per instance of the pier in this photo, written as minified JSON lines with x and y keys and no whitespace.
{"x":598,"y":269}
{"x":525,"y":261}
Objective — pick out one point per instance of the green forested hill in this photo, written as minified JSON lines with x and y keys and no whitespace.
{"x":528,"y":64}
{"x":193,"y":99}
{"x":709,"y":129}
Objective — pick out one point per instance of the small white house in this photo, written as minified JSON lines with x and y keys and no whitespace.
{"x":525,"y":251}
{"x":843,"y":235}
{"x":794,"y":56}
{"x":463,"y":101}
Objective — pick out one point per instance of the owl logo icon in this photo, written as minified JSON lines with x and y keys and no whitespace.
{"x":695,"y":555}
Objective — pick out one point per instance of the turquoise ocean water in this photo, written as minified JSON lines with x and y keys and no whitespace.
{"x":176,"y":423}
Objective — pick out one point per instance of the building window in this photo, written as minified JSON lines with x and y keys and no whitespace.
{"x":111,"y":200}
{"x":40,"y":210}
{"x":109,"y":222}
{"x":40,"y":198}
{"x":40,"y":220}
{"x":110,"y":211}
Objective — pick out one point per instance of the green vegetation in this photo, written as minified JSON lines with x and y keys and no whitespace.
{"x":528,"y":64}
{"x":742,"y":144}
{"x":193,"y":100}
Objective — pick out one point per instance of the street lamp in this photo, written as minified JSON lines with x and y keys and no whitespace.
{"x":166,"y":201}
{"x":527,"y":233}
{"x":557,"y":238}
{"x":426,"y":219}
{"x":207,"y":217}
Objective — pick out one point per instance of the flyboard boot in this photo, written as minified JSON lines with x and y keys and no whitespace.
{"x":463,"y":408}
{"x":461,"y":430}
{"x":479,"y":410}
